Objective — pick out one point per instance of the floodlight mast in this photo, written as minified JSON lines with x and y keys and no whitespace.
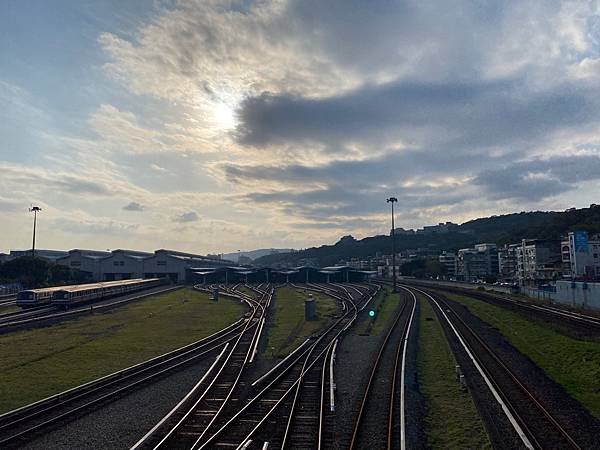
{"x":34,"y":210}
{"x":393,"y":200}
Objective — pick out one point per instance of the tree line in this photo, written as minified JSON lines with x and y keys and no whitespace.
{"x":34,"y":272}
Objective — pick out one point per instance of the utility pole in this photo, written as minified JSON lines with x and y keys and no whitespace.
{"x":393,"y":200}
{"x":34,"y":210}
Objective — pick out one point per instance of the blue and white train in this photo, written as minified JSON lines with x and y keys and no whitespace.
{"x":80,"y":293}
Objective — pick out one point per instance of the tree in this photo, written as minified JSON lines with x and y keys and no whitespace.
{"x":28,"y":270}
{"x":58,"y":274}
{"x":422,"y":268}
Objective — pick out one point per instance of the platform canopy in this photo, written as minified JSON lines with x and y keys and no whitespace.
{"x":245,"y":272}
{"x":336,"y":268}
{"x":286,"y":272}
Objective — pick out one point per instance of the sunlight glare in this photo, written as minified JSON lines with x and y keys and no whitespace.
{"x":224,"y":116}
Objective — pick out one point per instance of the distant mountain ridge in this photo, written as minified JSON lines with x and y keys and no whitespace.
{"x":254,"y":254}
{"x":502,"y":229}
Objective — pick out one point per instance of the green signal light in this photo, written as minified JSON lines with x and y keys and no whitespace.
{"x":371,"y":313}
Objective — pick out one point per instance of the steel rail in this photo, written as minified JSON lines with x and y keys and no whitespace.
{"x":402,"y":384}
{"x":81,"y":309}
{"x":95,"y":401}
{"x":517,"y":382}
{"x":332,"y":379}
{"x":572,"y":316}
{"x":239,"y":373}
{"x":182,"y":401}
{"x":374,"y":371}
{"x":149,"y":369}
{"x":277,"y":378}
{"x":9,"y":301}
{"x":252,"y":322}
{"x":322,"y":379}
{"x":323,"y":395}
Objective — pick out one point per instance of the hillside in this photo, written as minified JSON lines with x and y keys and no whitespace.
{"x":254,"y":254}
{"x":499,"y":229}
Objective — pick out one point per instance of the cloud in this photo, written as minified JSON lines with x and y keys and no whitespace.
{"x":190,"y":216}
{"x":48,"y":181}
{"x":134,"y":206}
{"x":157,"y":168}
{"x":97,"y":226}
{"x":478,"y":114}
{"x":282,"y":123}
{"x":538,"y":179}
{"x":9,"y":205}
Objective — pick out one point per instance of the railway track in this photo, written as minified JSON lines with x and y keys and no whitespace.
{"x":570,"y":317}
{"x":48,"y":313}
{"x":385,"y":388}
{"x":7,"y":318}
{"x":24,"y":424}
{"x":289,"y":412}
{"x":190,"y":423}
{"x":533,"y":422}
{"x":8,"y":300}
{"x":309,"y":418}
{"x":269,"y":413}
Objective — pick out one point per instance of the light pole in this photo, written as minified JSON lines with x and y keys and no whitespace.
{"x":34,"y":210}
{"x":393,"y":200}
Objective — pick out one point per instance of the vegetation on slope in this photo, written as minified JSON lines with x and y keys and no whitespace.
{"x":498,"y":229}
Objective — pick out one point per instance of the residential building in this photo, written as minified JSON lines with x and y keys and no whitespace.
{"x":402,"y":231}
{"x":448,"y":260}
{"x":507,"y":262}
{"x":538,"y":261}
{"x":477,"y":263}
{"x":581,"y":256}
{"x":388,"y":271}
{"x":440,"y":228}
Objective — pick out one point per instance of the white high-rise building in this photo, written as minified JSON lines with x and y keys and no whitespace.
{"x":581,"y":255}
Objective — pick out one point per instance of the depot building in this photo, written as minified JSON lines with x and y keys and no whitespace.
{"x":122,"y":264}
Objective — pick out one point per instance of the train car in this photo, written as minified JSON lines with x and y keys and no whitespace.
{"x":36,"y":297}
{"x":80,"y":294}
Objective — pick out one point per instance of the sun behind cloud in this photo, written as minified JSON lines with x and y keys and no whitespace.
{"x":225,"y":116}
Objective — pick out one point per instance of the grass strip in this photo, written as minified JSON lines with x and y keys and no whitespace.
{"x":572,"y":363}
{"x":383,"y":306}
{"x":287,"y":328}
{"x":9,"y":309}
{"x":247,"y":291}
{"x":451,"y":420}
{"x":365,"y":324}
{"x":40,"y":362}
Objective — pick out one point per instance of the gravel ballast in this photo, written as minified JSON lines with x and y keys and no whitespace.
{"x":119,"y":424}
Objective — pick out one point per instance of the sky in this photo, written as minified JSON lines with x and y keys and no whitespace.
{"x":212,"y":126}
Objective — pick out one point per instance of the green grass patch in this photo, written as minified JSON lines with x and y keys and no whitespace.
{"x":40,"y":362}
{"x":384,"y":306}
{"x":452,"y":420}
{"x":9,"y":308}
{"x":247,"y":291}
{"x":287,"y":328}
{"x":572,"y":363}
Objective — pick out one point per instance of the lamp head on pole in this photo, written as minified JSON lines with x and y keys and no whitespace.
{"x":392,"y":200}
{"x":35,"y":209}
